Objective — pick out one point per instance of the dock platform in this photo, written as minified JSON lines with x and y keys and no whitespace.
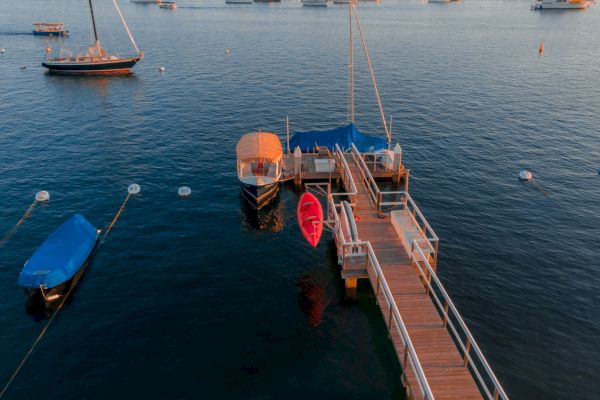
{"x":390,"y":243}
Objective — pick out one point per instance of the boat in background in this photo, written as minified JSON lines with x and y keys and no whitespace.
{"x":96,"y":60}
{"x":58,"y":263}
{"x":169,"y":5}
{"x":560,"y":4}
{"x":314,"y":3}
{"x":49,"y":29}
{"x":238,"y":1}
{"x":259,"y":166}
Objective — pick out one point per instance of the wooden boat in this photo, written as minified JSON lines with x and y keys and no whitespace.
{"x":259,"y":166}
{"x":169,"y":5}
{"x":58,"y":263}
{"x":310,"y":218}
{"x":96,"y":60}
{"x":49,"y":29}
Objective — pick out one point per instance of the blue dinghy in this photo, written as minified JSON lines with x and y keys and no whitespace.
{"x":61,"y":255}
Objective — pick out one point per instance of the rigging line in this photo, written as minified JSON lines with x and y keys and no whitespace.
{"x":13,"y":230}
{"x":362,"y":38}
{"x":126,"y":27}
{"x":351,"y":67}
{"x":64,"y":299}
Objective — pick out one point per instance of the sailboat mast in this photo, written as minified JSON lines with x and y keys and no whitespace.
{"x":94,"y":23}
{"x":351,"y":69}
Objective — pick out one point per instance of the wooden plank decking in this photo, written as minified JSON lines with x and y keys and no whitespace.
{"x":442,"y":363}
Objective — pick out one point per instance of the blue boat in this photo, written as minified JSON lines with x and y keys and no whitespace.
{"x":49,"y":29}
{"x":343,"y":136}
{"x":57,"y":263}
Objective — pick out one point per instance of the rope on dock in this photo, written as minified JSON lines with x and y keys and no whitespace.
{"x":133,"y":189}
{"x":39,"y":197}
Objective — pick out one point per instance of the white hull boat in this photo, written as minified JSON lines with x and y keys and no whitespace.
{"x":560,"y":4}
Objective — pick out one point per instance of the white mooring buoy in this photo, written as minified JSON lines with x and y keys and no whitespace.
{"x":161,"y":69}
{"x":1,"y":51}
{"x":42,"y":196}
{"x":228,"y":50}
{"x":134,"y":188}
{"x":525,"y":175}
{"x":184,"y":191}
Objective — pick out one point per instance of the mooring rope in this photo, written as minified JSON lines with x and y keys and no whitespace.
{"x":133,"y":189}
{"x":39,"y":197}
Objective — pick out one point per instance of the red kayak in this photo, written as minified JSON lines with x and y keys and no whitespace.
{"x":310,"y":218}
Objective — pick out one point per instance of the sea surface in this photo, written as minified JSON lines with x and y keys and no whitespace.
{"x":204,"y":298}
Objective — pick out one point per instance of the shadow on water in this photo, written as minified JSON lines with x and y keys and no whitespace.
{"x":267,"y":218}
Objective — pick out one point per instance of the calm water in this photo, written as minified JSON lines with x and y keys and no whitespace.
{"x":201,"y":298}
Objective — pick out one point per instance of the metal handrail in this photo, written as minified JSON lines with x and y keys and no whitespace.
{"x":368,"y":179}
{"x":470,"y":342}
{"x":345,"y":170}
{"x":409,"y":349}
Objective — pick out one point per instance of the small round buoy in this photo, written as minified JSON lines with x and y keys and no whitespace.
{"x":48,"y":49}
{"x":134,"y":188}
{"x":161,"y":69}
{"x":184,"y":191}
{"x":525,"y":175}
{"x":228,"y":50}
{"x":1,"y":51}
{"x":42,"y":196}
{"x":23,"y":66}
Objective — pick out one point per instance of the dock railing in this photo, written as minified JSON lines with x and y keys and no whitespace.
{"x":346,"y":176}
{"x":469,"y":349}
{"x":410,"y":361}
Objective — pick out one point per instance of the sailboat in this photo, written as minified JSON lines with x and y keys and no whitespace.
{"x":348,"y":135}
{"x":96,"y":60}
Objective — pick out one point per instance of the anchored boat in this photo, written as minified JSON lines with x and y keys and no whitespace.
{"x":560,"y":4}
{"x":259,"y":166}
{"x":169,"y":5}
{"x":314,"y":3}
{"x":96,"y":60}
{"x":58,"y":263}
{"x":49,"y":29}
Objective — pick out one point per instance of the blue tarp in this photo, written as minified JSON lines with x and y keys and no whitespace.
{"x":343,"y":136}
{"x":61,"y":255}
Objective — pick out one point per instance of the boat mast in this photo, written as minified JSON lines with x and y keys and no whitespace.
{"x":97,"y":43}
{"x":351,"y":69}
{"x":126,"y":27}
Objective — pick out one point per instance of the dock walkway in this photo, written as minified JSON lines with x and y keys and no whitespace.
{"x":396,"y":250}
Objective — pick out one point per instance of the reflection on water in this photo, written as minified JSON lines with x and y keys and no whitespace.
{"x":312,"y":298}
{"x":270,"y":217}
{"x":96,"y":82}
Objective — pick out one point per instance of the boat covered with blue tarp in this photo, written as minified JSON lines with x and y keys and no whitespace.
{"x":61,"y":255}
{"x":343,"y":137}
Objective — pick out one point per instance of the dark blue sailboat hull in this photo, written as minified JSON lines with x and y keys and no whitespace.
{"x":100,"y":67}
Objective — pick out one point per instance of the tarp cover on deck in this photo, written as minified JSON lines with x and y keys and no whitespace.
{"x":343,"y":136}
{"x":61,"y":255}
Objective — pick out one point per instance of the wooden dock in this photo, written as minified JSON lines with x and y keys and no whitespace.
{"x":396,"y":250}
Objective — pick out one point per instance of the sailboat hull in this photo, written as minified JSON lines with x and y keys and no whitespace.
{"x":72,"y":66}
